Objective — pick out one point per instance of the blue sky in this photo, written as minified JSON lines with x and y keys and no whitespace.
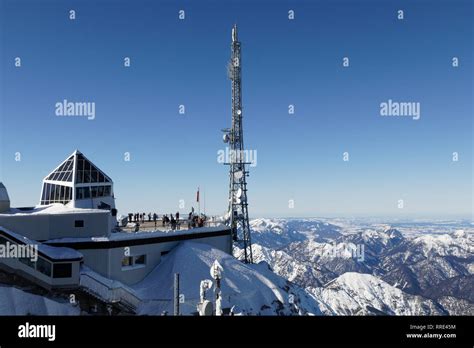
{"x":285,"y":62}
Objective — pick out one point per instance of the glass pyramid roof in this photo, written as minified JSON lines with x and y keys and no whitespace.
{"x":85,"y":171}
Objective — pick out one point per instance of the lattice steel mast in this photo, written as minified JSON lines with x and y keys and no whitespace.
{"x":238,"y":206}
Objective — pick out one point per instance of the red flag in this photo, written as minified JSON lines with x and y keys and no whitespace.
{"x":197,"y":195}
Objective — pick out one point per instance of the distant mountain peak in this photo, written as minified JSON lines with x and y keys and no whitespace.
{"x":364,"y":294}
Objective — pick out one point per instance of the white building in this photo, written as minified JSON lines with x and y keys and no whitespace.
{"x":75,"y":225}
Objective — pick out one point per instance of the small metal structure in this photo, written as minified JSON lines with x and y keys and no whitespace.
{"x":216,"y":273}
{"x":176,"y":295}
{"x":205,"y":307}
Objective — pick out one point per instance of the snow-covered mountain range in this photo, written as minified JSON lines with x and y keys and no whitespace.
{"x":371,"y":270}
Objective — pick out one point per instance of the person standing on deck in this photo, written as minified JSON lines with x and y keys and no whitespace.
{"x":173,"y":222}
{"x":190,"y":217}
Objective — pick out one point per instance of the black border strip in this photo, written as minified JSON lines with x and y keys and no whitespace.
{"x":133,"y":331}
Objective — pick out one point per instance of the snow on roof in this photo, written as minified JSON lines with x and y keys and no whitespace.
{"x":59,"y":253}
{"x":52,"y":209}
{"x":56,"y":253}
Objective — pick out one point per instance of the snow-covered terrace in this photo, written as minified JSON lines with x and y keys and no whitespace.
{"x":122,"y":236}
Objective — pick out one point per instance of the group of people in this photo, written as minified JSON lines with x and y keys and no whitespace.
{"x":171,"y":220}
{"x":141,"y":217}
{"x":196,"y":220}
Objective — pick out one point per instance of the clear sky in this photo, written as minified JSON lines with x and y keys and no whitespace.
{"x":299,"y":62}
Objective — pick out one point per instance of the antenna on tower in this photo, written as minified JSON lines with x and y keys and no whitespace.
{"x":238,"y":206}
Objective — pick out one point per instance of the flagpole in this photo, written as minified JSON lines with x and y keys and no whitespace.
{"x":199,"y":202}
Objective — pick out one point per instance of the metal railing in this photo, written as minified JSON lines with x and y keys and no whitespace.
{"x":182,"y":225}
{"x":110,"y":294}
{"x":119,"y":293}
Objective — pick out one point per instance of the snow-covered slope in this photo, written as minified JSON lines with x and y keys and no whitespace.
{"x":17,"y":302}
{"x":285,"y":265}
{"x":423,"y":262}
{"x":253,"y":289}
{"x":458,"y":244}
{"x":363,"y":294}
{"x":456,"y":306}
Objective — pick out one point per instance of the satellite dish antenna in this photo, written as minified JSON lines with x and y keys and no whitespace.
{"x":206,"y":309}
{"x":236,"y":199}
{"x":216,"y":270}
{"x":238,"y":174}
{"x":203,"y":288}
{"x":225,"y":138}
{"x":206,"y":284}
{"x":239,"y":112}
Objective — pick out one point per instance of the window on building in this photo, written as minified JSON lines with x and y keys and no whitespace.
{"x":62,"y":270}
{"x":43,"y":266}
{"x":56,"y":194}
{"x":82,"y":192}
{"x":107,"y":191}
{"x":88,"y":173}
{"x":127,"y":261}
{"x":78,"y":223}
{"x":27,"y":261}
{"x":94,"y":191}
{"x":80,"y":171}
{"x":101,"y":177}
{"x":140,"y":260}
{"x":64,"y":171}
